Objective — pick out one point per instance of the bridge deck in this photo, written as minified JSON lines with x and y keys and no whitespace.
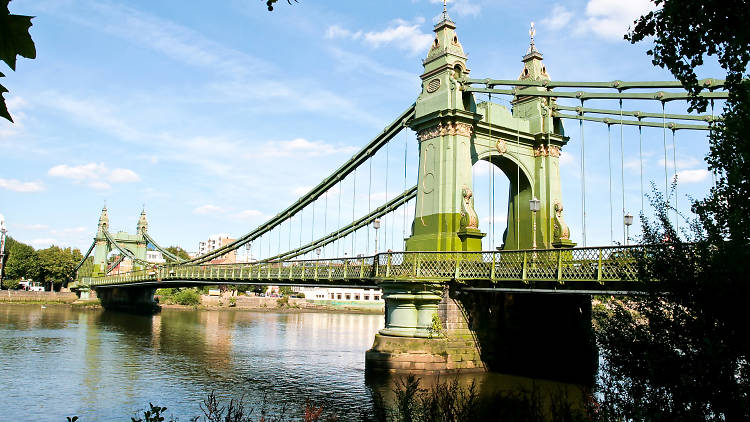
{"x":595,"y":269}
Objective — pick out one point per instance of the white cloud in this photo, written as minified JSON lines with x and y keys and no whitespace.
{"x":692,"y":176}
{"x":123,"y":176}
{"x":336,"y":31}
{"x":558,"y":18}
{"x":207,"y":209}
{"x":18,"y":186}
{"x":301,"y":190}
{"x":567,"y":158}
{"x":47,"y":241}
{"x":402,"y":34}
{"x":249,"y":214}
{"x":303,"y":147}
{"x":610,"y":19}
{"x":96,"y":176}
{"x":405,"y":35}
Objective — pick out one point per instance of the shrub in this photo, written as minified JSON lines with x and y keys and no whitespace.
{"x":282,"y":301}
{"x":10,"y":284}
{"x":188,"y":297}
{"x":232,"y":302}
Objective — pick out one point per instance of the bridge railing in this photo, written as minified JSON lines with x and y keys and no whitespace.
{"x":591,"y":264}
{"x":597,"y":264}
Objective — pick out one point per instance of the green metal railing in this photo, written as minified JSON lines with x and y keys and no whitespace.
{"x":602,"y":266}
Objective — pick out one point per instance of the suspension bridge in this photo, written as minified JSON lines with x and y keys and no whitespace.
{"x":449,"y":304}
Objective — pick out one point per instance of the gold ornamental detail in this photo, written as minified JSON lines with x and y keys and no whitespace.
{"x":449,"y":128}
{"x":543,"y":151}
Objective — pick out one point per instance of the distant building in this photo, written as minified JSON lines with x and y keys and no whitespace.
{"x":341,"y":294}
{"x":155,"y":256}
{"x":215,"y":242}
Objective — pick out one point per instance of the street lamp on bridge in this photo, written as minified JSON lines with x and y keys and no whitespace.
{"x":376,"y":226}
{"x":628,"y":222}
{"x":534,"y":205}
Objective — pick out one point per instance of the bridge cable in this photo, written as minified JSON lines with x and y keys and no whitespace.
{"x":664,"y":138}
{"x":622,"y":176}
{"x":518,"y":184}
{"x":640,"y":159}
{"x":77,"y":267}
{"x":710,"y":136}
{"x":490,"y":185}
{"x":278,"y":247}
{"x":312,"y":229}
{"x":338,"y":223}
{"x":406,"y":149}
{"x":385,"y":217}
{"x":390,"y":206}
{"x":354,"y":200}
{"x":674,"y":164}
{"x":347,"y":168}
{"x":583,"y":179}
{"x":369,"y":200}
{"x":325,"y":221}
{"x":289,"y":244}
{"x":609,"y":164}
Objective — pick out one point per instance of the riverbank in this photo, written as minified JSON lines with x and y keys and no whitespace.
{"x":213,"y":303}
{"x":27,"y":297}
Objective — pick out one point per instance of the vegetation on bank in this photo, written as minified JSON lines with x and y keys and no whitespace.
{"x":686,"y":355}
{"x":50,"y":266}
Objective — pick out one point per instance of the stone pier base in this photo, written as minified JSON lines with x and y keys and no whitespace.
{"x":138,"y":300}
{"x":450,"y":349}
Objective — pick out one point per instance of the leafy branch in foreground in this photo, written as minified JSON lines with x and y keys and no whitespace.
{"x":15,"y":40}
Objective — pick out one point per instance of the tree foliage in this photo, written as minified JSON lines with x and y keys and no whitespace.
{"x":56,"y":264}
{"x":178,"y":251}
{"x":21,"y":260}
{"x":685,"y":31}
{"x":270,"y":3}
{"x":686,"y":355}
{"x":15,"y":40}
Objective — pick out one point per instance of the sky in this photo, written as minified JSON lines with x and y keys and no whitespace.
{"x":215,"y":116}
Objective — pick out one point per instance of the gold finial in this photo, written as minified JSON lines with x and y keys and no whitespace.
{"x":532,"y":33}
{"x":445,"y":10}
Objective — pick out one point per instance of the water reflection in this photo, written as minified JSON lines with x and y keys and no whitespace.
{"x":62,"y":361}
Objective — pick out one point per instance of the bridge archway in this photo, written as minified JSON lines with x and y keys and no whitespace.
{"x":512,"y":190}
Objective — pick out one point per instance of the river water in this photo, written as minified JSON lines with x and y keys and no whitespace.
{"x":62,"y":361}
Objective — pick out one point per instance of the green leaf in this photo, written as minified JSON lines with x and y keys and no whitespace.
{"x":4,"y":108}
{"x":15,"y":39}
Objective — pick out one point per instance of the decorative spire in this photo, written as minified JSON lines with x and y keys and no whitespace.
{"x":532,"y":47}
{"x":445,"y":10}
{"x":142,"y":226}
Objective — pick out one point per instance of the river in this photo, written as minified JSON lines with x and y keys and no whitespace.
{"x":62,"y":361}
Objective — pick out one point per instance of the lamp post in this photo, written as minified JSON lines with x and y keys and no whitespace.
{"x":3,"y":230}
{"x":534,"y":205}
{"x":376,"y":226}
{"x":248,"y":254}
{"x":628,"y":222}
{"x":318,"y":251}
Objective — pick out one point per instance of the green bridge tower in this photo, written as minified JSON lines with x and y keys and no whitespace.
{"x":453,"y":134}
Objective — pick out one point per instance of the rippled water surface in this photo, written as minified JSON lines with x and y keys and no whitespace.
{"x":59,"y":361}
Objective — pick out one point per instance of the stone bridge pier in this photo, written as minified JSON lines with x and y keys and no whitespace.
{"x":129,"y":299}
{"x":535,"y":335}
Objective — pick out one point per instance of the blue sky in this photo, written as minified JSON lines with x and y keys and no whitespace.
{"x":217,"y":115}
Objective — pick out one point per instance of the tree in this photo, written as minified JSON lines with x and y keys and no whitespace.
{"x":21,"y":261}
{"x":686,"y":355}
{"x":56,"y":264}
{"x":178,"y":251}
{"x":15,"y":40}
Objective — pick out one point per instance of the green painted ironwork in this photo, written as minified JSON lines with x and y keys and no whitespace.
{"x":639,"y":114}
{"x":582,"y":95}
{"x":360,"y":157}
{"x":709,"y":83}
{"x":600,"y":268}
{"x":610,"y":121}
